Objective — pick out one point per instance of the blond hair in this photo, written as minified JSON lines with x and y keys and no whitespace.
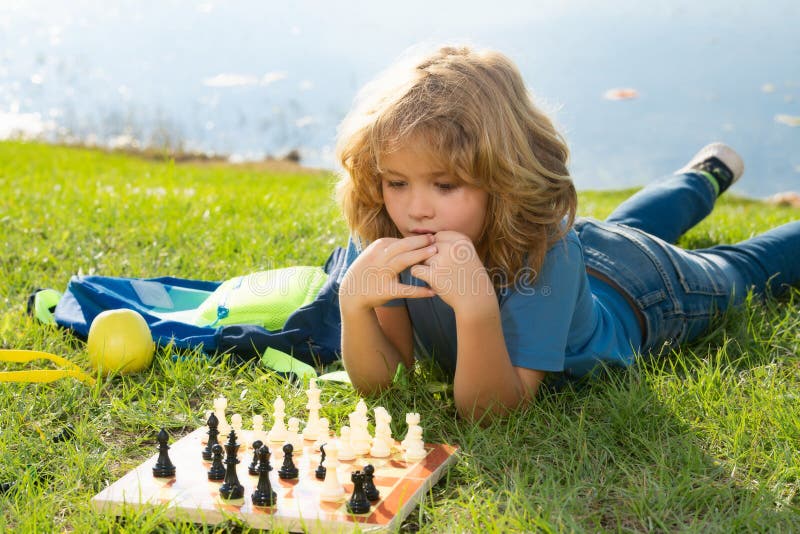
{"x":474,"y":112}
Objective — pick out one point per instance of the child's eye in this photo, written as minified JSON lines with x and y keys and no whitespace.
{"x":445,"y":186}
{"x":395,"y":184}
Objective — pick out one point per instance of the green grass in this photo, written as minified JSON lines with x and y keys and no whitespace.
{"x":704,"y":439}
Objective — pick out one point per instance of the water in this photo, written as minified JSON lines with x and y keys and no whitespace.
{"x":249,"y":79}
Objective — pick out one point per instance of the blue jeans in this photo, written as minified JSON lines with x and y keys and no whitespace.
{"x":678,"y":292}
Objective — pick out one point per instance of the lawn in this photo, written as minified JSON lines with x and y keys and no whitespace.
{"x":704,"y":439}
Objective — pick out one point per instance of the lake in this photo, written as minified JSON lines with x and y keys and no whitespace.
{"x":249,"y":79}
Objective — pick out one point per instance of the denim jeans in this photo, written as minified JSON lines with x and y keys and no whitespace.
{"x":678,"y":292}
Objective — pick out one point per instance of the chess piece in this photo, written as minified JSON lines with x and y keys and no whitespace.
{"x":332,"y":489}
{"x":288,"y":470}
{"x":220,"y":404}
{"x":415,"y":446}
{"x":253,"y":467}
{"x":320,"y":472}
{"x":370,"y":490}
{"x":236,"y":423}
{"x":311,"y":431}
{"x":343,"y":444}
{"x":213,"y":432}
{"x":358,"y":503}
{"x":293,"y":434}
{"x":217,"y":471}
{"x":263,"y":495}
{"x":164,"y":467}
{"x":258,"y":428}
{"x":231,"y":487}
{"x":323,"y":432}
{"x":204,"y":437}
{"x":278,"y":432}
{"x":360,"y":439}
{"x":412,"y":420}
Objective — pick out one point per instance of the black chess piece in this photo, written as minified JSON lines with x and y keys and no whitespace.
{"x":264,"y":495}
{"x":288,"y":470}
{"x":369,"y":484}
{"x":253,"y":467}
{"x":231,"y":487}
{"x":217,"y":471}
{"x":213,"y":432}
{"x":164,"y":467}
{"x":321,"y":469}
{"x":358,"y":503}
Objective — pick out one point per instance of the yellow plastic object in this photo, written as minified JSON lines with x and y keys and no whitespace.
{"x":40,"y":375}
{"x":120,"y":342}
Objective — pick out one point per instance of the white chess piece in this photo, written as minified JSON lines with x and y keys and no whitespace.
{"x":204,"y":437}
{"x":332,"y":489}
{"x":323,"y":433}
{"x":382,"y":442}
{"x":412,"y":420}
{"x":236,"y":424}
{"x":220,"y":404}
{"x":360,"y":439}
{"x":343,"y":445}
{"x":277,"y":433}
{"x":415,"y":446}
{"x":293,"y":434}
{"x":258,"y":429}
{"x":311,"y":431}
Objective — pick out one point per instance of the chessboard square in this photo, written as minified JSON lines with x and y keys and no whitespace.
{"x":437,"y":455}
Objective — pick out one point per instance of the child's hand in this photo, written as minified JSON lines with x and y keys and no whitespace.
{"x":455,"y":272}
{"x":372,"y":280}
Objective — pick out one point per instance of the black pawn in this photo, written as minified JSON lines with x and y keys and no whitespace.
{"x":263,"y":495}
{"x":163,"y":467}
{"x":253,"y":467}
{"x":231,"y":488}
{"x":321,"y":469}
{"x":217,"y":471}
{"x":213,"y":432}
{"x":358,"y":503}
{"x":369,"y":484}
{"x":288,"y":470}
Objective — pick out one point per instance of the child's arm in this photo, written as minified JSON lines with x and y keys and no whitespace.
{"x":376,"y":339}
{"x":485,"y":379}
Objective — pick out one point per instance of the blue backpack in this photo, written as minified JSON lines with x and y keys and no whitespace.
{"x":311,"y":333}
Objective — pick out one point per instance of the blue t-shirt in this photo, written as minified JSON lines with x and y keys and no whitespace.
{"x":565,"y":322}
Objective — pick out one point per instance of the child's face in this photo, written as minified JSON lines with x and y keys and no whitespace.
{"x":421,"y":197}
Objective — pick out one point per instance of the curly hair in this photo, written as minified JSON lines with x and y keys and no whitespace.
{"x":475,"y":114}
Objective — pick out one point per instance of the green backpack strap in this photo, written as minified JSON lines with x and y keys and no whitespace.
{"x":68,"y":369}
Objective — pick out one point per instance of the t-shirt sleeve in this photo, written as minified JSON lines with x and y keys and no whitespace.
{"x":536,"y":319}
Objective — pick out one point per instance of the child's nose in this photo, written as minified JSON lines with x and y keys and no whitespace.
{"x":420,"y":206}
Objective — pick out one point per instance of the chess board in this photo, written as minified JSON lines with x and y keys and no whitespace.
{"x":190,"y":496}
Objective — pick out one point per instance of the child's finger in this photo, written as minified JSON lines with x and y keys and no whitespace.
{"x":403,"y":261}
{"x":399,"y":246}
{"x":408,"y":291}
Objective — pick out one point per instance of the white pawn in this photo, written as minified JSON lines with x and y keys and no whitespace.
{"x":220,"y":404}
{"x":412,"y":420}
{"x":236,"y":424}
{"x":332,"y":489}
{"x":294,"y":436}
{"x":415,"y":446}
{"x":343,"y":444}
{"x":323,"y":433}
{"x":277,"y":433}
{"x":204,"y":437}
{"x":258,"y":429}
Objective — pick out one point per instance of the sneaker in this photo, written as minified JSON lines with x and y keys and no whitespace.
{"x":720,"y":162}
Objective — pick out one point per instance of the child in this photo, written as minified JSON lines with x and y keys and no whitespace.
{"x":460,"y":186}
